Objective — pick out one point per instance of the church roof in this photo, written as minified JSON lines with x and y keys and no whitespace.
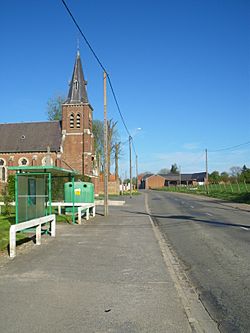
{"x":77,"y":90}
{"x":30,"y":137}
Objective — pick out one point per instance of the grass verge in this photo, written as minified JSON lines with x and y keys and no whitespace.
{"x":213,"y":192}
{"x":5,"y":223}
{"x":21,"y":237}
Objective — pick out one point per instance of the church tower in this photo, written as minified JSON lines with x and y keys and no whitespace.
{"x":78,"y":139}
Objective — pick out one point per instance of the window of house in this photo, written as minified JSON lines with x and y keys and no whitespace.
{"x":23,"y":161}
{"x":2,"y":170}
{"x":78,"y":120}
{"x":71,"y":120}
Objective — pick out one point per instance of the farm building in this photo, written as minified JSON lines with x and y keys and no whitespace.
{"x":148,"y":181}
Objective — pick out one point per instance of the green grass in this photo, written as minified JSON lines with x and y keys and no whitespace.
{"x":5,"y":223}
{"x":235,"y":192}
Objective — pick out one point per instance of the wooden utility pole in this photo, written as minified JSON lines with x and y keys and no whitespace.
{"x":105,"y":145}
{"x":130,"y":165}
{"x":136,"y":160}
{"x":116,"y":160}
{"x":206,"y":171}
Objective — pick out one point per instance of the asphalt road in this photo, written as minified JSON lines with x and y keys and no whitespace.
{"x":212,"y":240}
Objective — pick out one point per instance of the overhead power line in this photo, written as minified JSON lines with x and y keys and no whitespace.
{"x":231,"y":147}
{"x":82,"y":34}
{"x":101,"y":65}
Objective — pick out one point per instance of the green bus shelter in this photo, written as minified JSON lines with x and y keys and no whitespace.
{"x":34,"y":188}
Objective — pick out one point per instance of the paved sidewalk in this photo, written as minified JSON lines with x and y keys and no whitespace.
{"x":107,"y":275}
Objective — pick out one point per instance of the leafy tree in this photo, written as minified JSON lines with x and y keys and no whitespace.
{"x":174,"y":169}
{"x":8,"y":194}
{"x":11,"y":187}
{"x":214,"y":177}
{"x":54,"y":108}
{"x":224,"y":176}
{"x":164,"y":171}
{"x":245,"y":174}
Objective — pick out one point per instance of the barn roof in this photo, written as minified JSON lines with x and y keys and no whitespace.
{"x":30,"y":137}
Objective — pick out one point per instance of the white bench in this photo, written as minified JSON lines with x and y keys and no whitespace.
{"x":89,"y":207}
{"x":37,"y":223}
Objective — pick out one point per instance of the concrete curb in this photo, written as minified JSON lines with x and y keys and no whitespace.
{"x":110,"y":202}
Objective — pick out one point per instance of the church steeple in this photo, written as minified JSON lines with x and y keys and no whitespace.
{"x":77,"y":91}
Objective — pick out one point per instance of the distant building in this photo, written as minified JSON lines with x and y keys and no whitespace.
{"x":69,"y":142}
{"x":148,"y":181}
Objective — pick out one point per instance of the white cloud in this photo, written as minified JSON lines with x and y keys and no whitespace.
{"x":191,"y":145}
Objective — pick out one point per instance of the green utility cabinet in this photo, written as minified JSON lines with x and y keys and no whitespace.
{"x":82,"y":191}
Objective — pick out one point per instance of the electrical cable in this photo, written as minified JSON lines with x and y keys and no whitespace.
{"x":230,"y":148}
{"x":101,"y":65}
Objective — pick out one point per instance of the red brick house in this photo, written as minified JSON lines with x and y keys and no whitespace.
{"x":148,"y":181}
{"x":70,"y":141}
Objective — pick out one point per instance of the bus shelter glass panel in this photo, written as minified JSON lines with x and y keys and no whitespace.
{"x":33,"y":195}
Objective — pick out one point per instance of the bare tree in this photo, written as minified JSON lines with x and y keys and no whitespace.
{"x":164,"y":171}
{"x":54,"y":108}
{"x":112,"y":134}
{"x":235,"y":171}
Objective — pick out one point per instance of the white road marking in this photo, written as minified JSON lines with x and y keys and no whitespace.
{"x":209,"y":214}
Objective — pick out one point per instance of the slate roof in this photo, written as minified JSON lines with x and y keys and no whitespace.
{"x":199,"y":176}
{"x":77,"y":90}
{"x":170,"y":176}
{"x":147,"y":175}
{"x":186,"y":177}
{"x":30,"y":137}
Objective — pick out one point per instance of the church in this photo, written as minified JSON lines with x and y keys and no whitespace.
{"x":69,"y":142}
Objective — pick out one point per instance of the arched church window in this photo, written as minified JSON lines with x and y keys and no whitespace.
{"x":2,"y":170}
{"x":23,"y":161}
{"x":72,"y":120}
{"x":3,"y":174}
{"x":78,"y":120}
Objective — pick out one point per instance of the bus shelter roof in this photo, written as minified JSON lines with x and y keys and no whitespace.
{"x":55,"y":171}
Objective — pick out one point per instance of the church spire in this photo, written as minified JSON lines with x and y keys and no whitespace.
{"x":77,"y":91}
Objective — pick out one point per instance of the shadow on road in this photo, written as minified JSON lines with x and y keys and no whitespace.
{"x":194,"y":219}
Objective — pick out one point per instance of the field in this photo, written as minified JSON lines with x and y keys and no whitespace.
{"x":230,"y":192}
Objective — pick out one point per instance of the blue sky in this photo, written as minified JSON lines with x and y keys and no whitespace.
{"x":180,"y":70}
